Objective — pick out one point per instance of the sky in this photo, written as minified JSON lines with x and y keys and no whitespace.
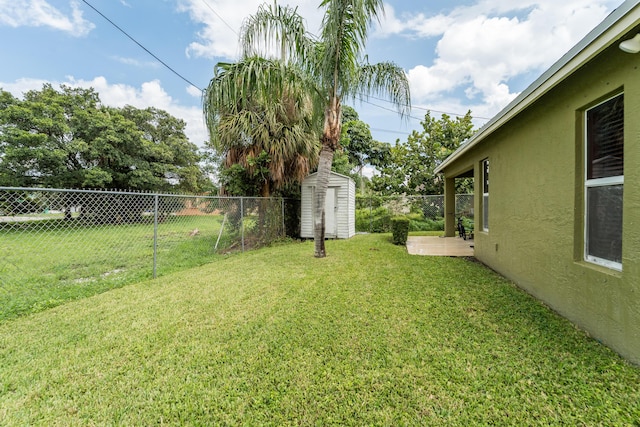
{"x":459,"y":55}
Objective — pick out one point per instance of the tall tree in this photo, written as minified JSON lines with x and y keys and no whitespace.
{"x":356,"y":140}
{"x":358,"y":148}
{"x":269,"y":143}
{"x":335,"y":66}
{"x":66,"y":138}
{"x":410,"y":167}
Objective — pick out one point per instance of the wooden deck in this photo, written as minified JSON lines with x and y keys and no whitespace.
{"x":439,"y":246}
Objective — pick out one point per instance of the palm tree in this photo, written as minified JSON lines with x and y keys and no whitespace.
{"x":331,"y":67}
{"x":244,"y":124}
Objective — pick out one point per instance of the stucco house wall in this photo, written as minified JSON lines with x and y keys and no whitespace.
{"x":536,"y":209}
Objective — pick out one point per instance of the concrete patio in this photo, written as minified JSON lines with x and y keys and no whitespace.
{"x":439,"y":246}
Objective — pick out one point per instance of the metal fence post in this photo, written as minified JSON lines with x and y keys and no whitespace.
{"x":284,"y":230}
{"x":155,"y":234}
{"x":370,"y":214}
{"x":104,"y":233}
{"x":242,"y":221}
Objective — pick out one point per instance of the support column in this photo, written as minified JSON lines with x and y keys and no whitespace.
{"x":449,"y":207}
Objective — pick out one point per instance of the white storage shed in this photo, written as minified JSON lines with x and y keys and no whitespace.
{"x":340,"y":207}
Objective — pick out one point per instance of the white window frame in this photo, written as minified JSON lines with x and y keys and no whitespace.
{"x":485,"y":195}
{"x":592,"y":183}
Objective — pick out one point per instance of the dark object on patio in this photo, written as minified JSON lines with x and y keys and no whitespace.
{"x":461,"y":231}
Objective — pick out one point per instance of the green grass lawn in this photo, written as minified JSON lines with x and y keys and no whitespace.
{"x":367,"y":336}
{"x":46,"y":263}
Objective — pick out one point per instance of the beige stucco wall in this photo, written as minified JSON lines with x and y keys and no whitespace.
{"x":536,"y":198}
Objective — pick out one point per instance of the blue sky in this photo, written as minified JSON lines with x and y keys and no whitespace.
{"x":459,"y":55}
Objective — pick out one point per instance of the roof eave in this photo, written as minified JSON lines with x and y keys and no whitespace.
{"x":618,"y":23}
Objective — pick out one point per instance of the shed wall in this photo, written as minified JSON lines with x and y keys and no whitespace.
{"x":345,"y":206}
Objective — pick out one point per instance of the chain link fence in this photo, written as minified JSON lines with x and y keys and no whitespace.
{"x":73,"y":243}
{"x":426,"y":213}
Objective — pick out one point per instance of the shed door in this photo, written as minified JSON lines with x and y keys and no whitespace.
{"x":330,"y":220}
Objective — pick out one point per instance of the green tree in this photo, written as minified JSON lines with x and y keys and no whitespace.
{"x":171,"y":157}
{"x":265,"y":143}
{"x":356,"y":140}
{"x":410,"y":167}
{"x":68,"y":139}
{"x":358,"y":148}
{"x":333,"y":67}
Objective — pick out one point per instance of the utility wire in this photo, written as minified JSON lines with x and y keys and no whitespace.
{"x":139,"y":44}
{"x":388,"y":109}
{"x":425,"y":109}
{"x":221,"y":18}
{"x":391,"y":131}
{"x":231,"y":28}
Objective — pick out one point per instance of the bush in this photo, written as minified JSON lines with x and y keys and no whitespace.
{"x":373,"y":221}
{"x":417,"y":222}
{"x":427,"y":225}
{"x":379,"y":221}
{"x":400,"y":229}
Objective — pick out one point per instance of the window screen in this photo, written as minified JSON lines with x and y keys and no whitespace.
{"x":604,"y":182}
{"x":605,"y":129}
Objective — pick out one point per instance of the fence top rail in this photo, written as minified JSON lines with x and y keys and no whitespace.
{"x":406,"y":196}
{"x":130,"y":193}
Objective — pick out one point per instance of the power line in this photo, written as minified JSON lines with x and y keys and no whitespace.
{"x":391,"y":131}
{"x":139,"y":44}
{"x":426,"y":109}
{"x":220,"y":17}
{"x":231,"y":28}
{"x":388,"y":109}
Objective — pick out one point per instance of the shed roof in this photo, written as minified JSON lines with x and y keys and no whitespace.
{"x":613,"y":27}
{"x":334,"y":173}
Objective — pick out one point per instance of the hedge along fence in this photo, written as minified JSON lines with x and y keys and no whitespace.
{"x":425,"y":213}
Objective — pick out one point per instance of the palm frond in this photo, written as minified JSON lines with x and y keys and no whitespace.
{"x":385,"y":79}
{"x":344,"y":32}
{"x":254,"y":81}
{"x":276,"y":31}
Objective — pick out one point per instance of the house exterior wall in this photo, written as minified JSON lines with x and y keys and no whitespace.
{"x":536,"y":203}
{"x":345,"y":206}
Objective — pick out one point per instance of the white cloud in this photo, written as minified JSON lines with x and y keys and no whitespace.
{"x":194,"y":91}
{"x":39,"y":13}
{"x":149,"y":94}
{"x":483,"y":47}
{"x":415,"y":25}
{"x":222,"y":20}
{"x":474,"y":57}
{"x":136,"y":62}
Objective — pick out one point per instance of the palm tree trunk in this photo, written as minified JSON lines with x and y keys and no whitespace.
{"x":330,"y":140}
{"x":322,"y":183}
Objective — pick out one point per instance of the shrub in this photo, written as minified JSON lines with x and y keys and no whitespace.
{"x":400,"y":229}
{"x":374,"y":221}
{"x":379,"y":221}
{"x":417,"y":222}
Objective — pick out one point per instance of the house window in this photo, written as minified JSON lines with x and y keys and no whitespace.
{"x":485,"y":194}
{"x":604,"y":182}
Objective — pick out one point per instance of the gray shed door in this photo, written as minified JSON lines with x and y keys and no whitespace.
{"x":330,"y":220}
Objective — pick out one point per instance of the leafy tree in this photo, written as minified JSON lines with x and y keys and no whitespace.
{"x":265,"y":144}
{"x":357,"y":142}
{"x":357,"y":148}
{"x":410,"y":167}
{"x":68,"y":139}
{"x":349,"y":114}
{"x":332,"y":66}
{"x":166,"y":148}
